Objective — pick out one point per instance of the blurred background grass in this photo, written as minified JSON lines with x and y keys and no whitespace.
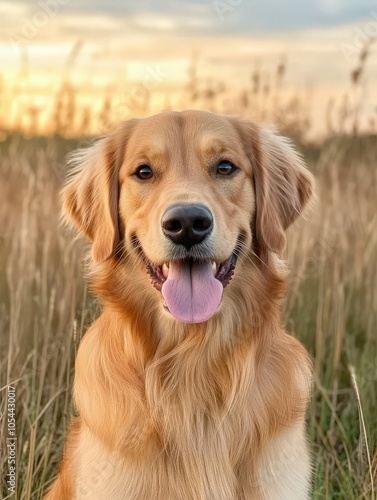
{"x":45,"y":306}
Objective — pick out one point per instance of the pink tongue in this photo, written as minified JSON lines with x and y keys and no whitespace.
{"x":191,"y":291}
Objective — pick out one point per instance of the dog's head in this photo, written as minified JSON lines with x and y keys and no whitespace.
{"x":189,"y":198}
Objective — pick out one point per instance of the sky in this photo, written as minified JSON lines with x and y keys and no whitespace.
{"x":166,"y":29}
{"x":119,"y":41}
{"x":209,"y":17}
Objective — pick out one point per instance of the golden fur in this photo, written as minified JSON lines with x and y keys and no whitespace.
{"x":169,"y":410}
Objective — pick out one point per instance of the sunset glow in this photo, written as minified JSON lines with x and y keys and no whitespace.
{"x":101,"y":58}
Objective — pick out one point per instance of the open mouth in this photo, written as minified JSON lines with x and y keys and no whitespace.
{"x":192,"y":288}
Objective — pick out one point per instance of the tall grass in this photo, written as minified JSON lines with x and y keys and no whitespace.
{"x":331,"y":306}
{"x":71,"y":109}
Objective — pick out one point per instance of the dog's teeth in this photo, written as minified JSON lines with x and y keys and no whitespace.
{"x":165,"y":269}
{"x":165,"y":304}
{"x":214,"y":268}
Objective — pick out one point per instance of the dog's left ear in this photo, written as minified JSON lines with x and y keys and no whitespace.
{"x":283,"y":185}
{"x":90,"y":197}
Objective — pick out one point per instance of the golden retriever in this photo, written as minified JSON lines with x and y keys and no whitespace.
{"x":187,"y":386}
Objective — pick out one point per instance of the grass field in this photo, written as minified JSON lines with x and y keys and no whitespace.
{"x":45,"y":309}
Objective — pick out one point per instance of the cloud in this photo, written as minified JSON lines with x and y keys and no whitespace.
{"x":204,"y":17}
{"x":294,"y":15}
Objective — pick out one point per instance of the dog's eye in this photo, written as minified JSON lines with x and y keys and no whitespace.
{"x":226,"y":168}
{"x":144,"y":173}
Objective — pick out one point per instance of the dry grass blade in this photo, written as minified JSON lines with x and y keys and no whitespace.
{"x":363,"y":431}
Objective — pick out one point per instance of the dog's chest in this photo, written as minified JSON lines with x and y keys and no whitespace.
{"x":202,"y":434}
{"x":197,"y":436}
{"x":197,"y":458}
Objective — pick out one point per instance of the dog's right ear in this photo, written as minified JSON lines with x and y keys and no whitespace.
{"x":90,"y":197}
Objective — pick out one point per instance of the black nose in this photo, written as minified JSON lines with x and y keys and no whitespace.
{"x":187,"y":224}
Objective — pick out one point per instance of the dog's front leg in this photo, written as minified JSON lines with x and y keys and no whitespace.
{"x":283,"y":472}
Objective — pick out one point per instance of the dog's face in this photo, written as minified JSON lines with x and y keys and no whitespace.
{"x":190,"y":197}
{"x":187,"y":200}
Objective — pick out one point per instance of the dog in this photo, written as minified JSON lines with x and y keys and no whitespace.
{"x":187,"y":386}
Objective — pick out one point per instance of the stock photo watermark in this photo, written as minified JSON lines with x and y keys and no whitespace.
{"x":361,"y":36}
{"x":225,"y":7}
{"x":134,"y":99}
{"x":11,"y":439}
{"x":125,"y":106}
{"x":31,"y":25}
{"x":98,"y":475}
